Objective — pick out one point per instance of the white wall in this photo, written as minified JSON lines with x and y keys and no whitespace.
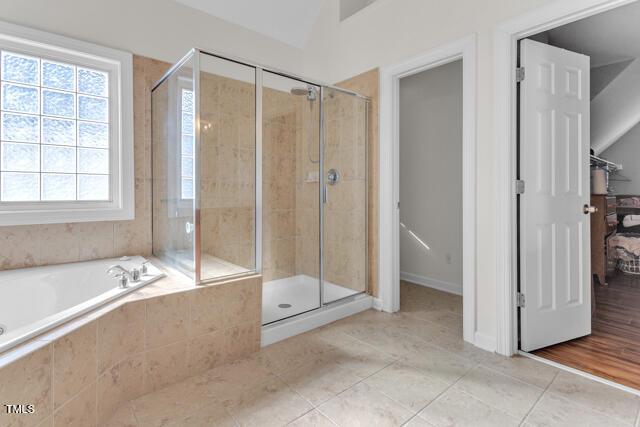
{"x":160,"y":29}
{"x":431,"y":174}
{"x":390,"y":31}
{"x":626,"y":151}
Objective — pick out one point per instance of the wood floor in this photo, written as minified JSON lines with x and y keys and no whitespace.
{"x":612,"y":351}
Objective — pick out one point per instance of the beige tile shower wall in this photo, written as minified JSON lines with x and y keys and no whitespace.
{"x":170,"y":212}
{"x":345,"y":233}
{"x":28,"y":246}
{"x":228,"y":169}
{"x":307,"y":189}
{"x":279,"y":183}
{"x":367,"y":84}
{"x":81,"y":378}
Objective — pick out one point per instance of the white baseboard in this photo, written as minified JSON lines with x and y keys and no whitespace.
{"x":441,"y":285}
{"x":377,"y":304}
{"x":485,"y":342}
{"x":314,"y":319}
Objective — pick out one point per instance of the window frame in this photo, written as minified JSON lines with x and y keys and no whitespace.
{"x":119,"y":66}
{"x":177,"y":205}
{"x":182,"y":86}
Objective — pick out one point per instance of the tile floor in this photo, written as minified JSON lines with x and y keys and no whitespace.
{"x":377,"y":369}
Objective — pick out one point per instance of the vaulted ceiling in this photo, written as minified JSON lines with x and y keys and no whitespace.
{"x":289,"y":21}
{"x":612,"y":41}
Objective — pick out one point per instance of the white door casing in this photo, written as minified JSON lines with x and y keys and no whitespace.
{"x":555,"y":270}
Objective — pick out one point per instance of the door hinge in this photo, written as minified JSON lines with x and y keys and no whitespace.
{"x":519,"y":74}
{"x":519,"y":186}
{"x":520,"y":300}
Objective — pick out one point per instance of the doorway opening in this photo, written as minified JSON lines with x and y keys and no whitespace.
{"x":430,"y":172}
{"x":390,"y":230}
{"x":578,"y":287}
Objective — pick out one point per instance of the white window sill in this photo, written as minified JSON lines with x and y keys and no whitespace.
{"x":9,"y":218}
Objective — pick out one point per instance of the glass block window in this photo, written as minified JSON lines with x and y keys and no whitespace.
{"x":54,"y":130}
{"x":186,"y":144}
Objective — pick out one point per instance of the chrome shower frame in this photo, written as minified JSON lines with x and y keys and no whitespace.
{"x":258,"y":225}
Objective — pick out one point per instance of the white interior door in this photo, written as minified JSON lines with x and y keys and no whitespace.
{"x":555,"y":263}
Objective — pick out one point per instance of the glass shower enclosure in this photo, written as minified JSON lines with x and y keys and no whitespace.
{"x":259,"y":171}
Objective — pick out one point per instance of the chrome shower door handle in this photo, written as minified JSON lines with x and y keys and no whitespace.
{"x":333,"y":176}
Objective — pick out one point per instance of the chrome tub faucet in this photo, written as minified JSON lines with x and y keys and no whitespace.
{"x":123,"y":275}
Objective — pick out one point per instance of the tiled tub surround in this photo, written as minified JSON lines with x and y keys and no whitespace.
{"x":63,"y":293}
{"x":79,"y":373}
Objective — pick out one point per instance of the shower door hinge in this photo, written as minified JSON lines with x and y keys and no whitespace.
{"x":520,"y":300}
{"x":519,"y":74}
{"x":519,"y":186}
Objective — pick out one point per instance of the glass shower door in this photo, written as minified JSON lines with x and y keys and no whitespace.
{"x":344,"y":175}
{"x":173,"y":130}
{"x":290,"y":197}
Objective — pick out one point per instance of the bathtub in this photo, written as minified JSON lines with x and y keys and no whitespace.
{"x":34,"y":300}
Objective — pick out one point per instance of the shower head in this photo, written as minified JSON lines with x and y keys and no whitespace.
{"x":309,"y":91}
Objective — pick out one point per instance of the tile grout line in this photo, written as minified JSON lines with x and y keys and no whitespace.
{"x":535,"y":404}
{"x":53,"y":382}
{"x":327,"y":417}
{"x":480,"y":399}
{"x":417,"y":414}
{"x":293,"y":390}
{"x":475,"y":366}
{"x":317,"y":407}
{"x":396,"y":359}
{"x":410,"y":314}
{"x":495,"y":371}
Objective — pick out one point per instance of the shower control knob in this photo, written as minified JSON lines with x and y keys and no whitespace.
{"x":333,"y":176}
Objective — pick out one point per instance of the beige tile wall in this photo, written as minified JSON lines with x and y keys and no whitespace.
{"x":228,"y":169}
{"x":171,"y":212}
{"x":367,"y":84}
{"x":307,"y":145}
{"x":291,"y":237}
{"x":141,"y":346}
{"x":345,"y":213}
{"x":33,"y":245}
{"x":281,"y":116}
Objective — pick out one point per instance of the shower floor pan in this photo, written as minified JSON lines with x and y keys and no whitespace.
{"x":290,"y":296}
